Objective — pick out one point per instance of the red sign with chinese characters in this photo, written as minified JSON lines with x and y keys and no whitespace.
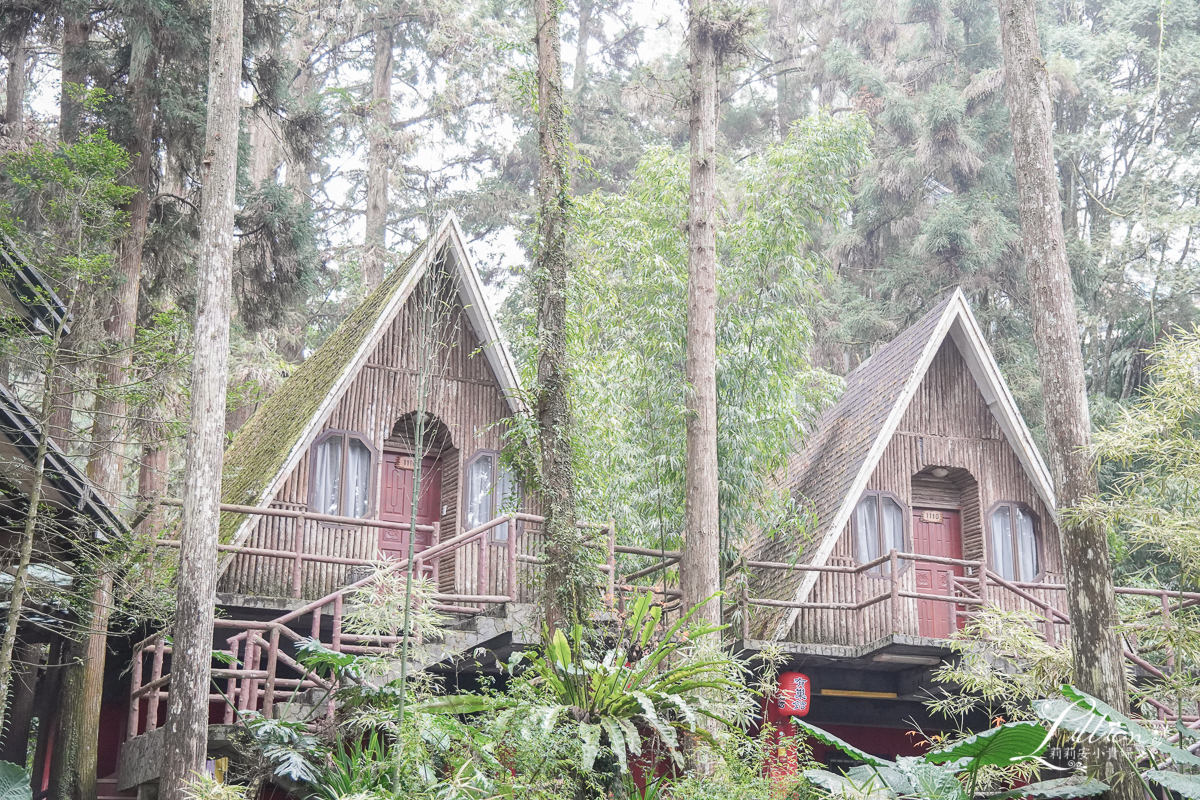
{"x":795,"y":694}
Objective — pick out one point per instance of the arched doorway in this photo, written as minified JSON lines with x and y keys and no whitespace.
{"x":422,"y":441}
{"x":944,"y":500}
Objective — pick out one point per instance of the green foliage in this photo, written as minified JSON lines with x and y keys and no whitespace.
{"x":1090,"y":719}
{"x":628,"y":313}
{"x":1155,"y":500}
{"x":999,"y":746}
{"x":569,"y":721}
{"x":286,"y":745}
{"x":941,"y":775}
{"x":981,"y":679}
{"x":662,"y":681}
{"x":202,"y":787}
{"x":377,"y":609}
{"x":14,"y":782}
{"x":739,"y":770}
{"x":63,"y":204}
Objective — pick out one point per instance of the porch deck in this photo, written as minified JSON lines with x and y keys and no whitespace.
{"x":880,"y":621}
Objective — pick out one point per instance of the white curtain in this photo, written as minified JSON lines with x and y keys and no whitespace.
{"x":1027,"y":556}
{"x":358,"y":479}
{"x":1002,"y":543}
{"x":893,"y":526}
{"x":327,"y":476}
{"x":479,"y":491}
{"x":866,"y":529}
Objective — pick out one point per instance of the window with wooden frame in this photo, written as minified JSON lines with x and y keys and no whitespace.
{"x":491,"y":490}
{"x":879,"y":527}
{"x":342,"y":465}
{"x":1014,"y":542}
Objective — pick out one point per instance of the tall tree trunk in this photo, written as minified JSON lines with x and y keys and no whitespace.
{"x":699,"y":571}
{"x":379,"y":134}
{"x":566,"y":576}
{"x":81,"y":711}
{"x":587,"y":9}
{"x":186,"y":737}
{"x":74,"y":754}
{"x":77,"y":27}
{"x":1099,"y":664}
{"x":62,"y":429}
{"x":76,"y":30}
{"x":152,"y":487}
{"x":47,"y":707}
{"x":14,"y":108}
{"x":783,"y":47}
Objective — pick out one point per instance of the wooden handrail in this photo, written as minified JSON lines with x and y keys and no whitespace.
{"x":267,"y":511}
{"x":1019,"y":592}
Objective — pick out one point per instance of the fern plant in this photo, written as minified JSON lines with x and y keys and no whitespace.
{"x":645,"y":689}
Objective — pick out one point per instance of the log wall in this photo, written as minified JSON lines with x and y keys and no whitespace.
{"x":949,"y":425}
{"x":448,"y":360}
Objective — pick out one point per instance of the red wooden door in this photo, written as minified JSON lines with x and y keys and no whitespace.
{"x":395,"y":502}
{"x":936,"y":533}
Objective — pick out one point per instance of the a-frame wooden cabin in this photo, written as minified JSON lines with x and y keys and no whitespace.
{"x":318,"y":492}
{"x":926,"y":453}
{"x":928,"y":500}
{"x":339,"y":438}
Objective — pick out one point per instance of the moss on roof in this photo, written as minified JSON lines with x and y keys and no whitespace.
{"x":261,"y":448}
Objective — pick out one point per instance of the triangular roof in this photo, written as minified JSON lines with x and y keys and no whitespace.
{"x":832,"y":470}
{"x":270,"y":444}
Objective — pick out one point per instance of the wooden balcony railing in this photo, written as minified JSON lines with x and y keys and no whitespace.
{"x":252,"y":683}
{"x":259,"y":670}
{"x":978,"y":587}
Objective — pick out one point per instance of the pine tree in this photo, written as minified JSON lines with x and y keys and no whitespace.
{"x":699,"y":571}
{"x":185,"y":742}
{"x":1098,"y":659}
{"x":567,"y":578}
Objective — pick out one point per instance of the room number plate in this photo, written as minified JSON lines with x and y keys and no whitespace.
{"x":407,"y":462}
{"x":932,"y":516}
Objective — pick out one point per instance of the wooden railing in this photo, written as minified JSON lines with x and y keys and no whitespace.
{"x":978,"y":587}
{"x":252,"y":684}
{"x":259,"y":672}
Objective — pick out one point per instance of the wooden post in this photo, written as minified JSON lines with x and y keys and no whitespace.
{"x":250,"y":684}
{"x":135,"y":703}
{"x":437,"y":562}
{"x":484,"y":547}
{"x":860,"y":635}
{"x":336,"y":640}
{"x":316,"y":623}
{"x":231,"y":684}
{"x":1166,"y":617}
{"x":983,"y":587}
{"x":155,"y":674}
{"x":298,"y":564}
{"x":511,"y":559}
{"x":894,"y":575}
{"x":272,"y":662}
{"x":744,"y":602}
